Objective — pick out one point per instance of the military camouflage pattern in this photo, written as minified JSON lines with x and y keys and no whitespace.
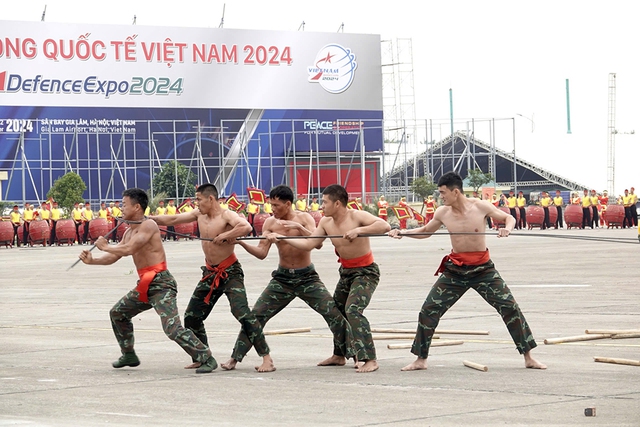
{"x":162,"y":297}
{"x":352,"y":295}
{"x":450,"y":287}
{"x":233,"y":287}
{"x":306,"y":285}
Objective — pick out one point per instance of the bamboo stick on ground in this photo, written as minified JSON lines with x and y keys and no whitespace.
{"x":460,"y":332}
{"x":587,"y":337}
{"x":438,"y":331}
{"x":612,"y":331}
{"x":617,"y":361}
{"x":393,"y":331}
{"x":287,"y":331}
{"x":441,"y":343}
{"x":630,"y":335}
{"x":399,"y":337}
{"x":473,"y":365}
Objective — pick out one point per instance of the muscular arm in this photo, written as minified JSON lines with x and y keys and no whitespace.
{"x":262,"y":250}
{"x":500,"y":216}
{"x":309,"y":244}
{"x":239,"y":227}
{"x":106,"y":259}
{"x":423,"y":232}
{"x":131,"y":245}
{"x":181,"y":218}
{"x":369,"y":224}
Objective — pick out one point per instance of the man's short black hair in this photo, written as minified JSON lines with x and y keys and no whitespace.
{"x":451,"y":180}
{"x":208,"y":190}
{"x":281,"y":192}
{"x":337,"y":192}
{"x":138,"y":195}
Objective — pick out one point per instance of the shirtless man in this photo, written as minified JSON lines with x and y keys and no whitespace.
{"x":156,"y":288}
{"x":467,"y":266}
{"x":359,"y":275}
{"x":222,"y":273}
{"x":295,"y":277}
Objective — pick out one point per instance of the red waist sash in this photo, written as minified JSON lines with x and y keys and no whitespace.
{"x":464,"y":258}
{"x":362,"y":261}
{"x":218,"y":272}
{"x":146,"y":276}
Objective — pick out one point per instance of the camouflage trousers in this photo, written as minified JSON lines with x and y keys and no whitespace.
{"x":304,"y":283}
{"x":233,"y":287}
{"x":162,"y":298}
{"x":352,"y":295}
{"x":450,"y":287}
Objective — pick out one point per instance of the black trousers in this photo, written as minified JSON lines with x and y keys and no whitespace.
{"x":523,"y":217}
{"x":586,"y":217}
{"x":559,"y":220}
{"x":546,"y":218}
{"x":594,"y":217}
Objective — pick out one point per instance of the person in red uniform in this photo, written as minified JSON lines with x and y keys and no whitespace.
{"x":430,"y":209}
{"x":604,"y":201}
{"x":383,"y":205}
{"x":403,"y":204}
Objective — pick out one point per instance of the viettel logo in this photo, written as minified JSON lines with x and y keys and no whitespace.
{"x":334,"y":68}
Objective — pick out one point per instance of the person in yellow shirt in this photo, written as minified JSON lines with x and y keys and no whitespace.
{"x":223,"y":203}
{"x":315,"y":206}
{"x":252,"y":211}
{"x":103,"y":212}
{"x":28,"y":215}
{"x":161,"y":210}
{"x":595,"y":219}
{"x":301,"y":203}
{"x":172,"y":210}
{"x":586,"y":210}
{"x":16,"y":220}
{"x":545,"y":202}
{"x":44,"y":213}
{"x":187,"y":207}
{"x":558,"y":202}
{"x":267,"y":206}
{"x":634,"y":209}
{"x":116,"y":212}
{"x":522,"y":204}
{"x":76,"y":215}
{"x":626,"y":202}
{"x":55,"y":217}
{"x":87,"y":216}
{"x":512,"y":204}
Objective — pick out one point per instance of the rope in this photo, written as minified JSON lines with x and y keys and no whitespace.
{"x":631,"y":240}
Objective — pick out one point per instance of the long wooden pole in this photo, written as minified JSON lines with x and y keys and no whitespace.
{"x":576,"y":338}
{"x":617,"y":361}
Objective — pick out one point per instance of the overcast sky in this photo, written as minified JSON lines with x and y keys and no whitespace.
{"x":500,"y":58}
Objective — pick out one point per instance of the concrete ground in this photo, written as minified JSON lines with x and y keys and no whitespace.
{"x":56,"y":344}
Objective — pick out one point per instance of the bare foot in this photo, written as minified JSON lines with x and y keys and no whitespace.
{"x":267,"y":365}
{"x":369,"y":366}
{"x":357,"y":364}
{"x":333,"y":361}
{"x":194,"y":365}
{"x":530,"y":362}
{"x":417,"y":365}
{"x":230,"y":364}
